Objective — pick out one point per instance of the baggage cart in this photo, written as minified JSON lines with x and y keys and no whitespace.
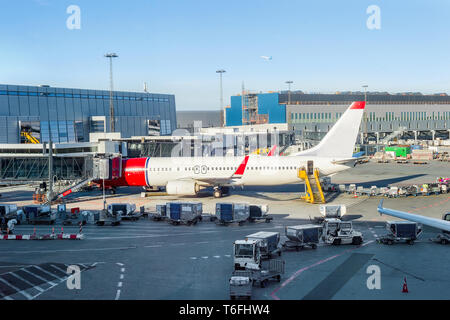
{"x":74,"y":217}
{"x":184,"y":212}
{"x":227,"y":213}
{"x":241,"y":285}
{"x":269,"y":243}
{"x":274,"y":271}
{"x":37,"y":214}
{"x":113,"y":217}
{"x":301,"y":236}
{"x":401,"y":231}
{"x":259,"y":212}
{"x":127,"y":210}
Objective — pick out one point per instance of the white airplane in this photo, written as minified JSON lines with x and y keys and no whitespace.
{"x":443,"y":224}
{"x":188,"y":175}
{"x":266,"y":58}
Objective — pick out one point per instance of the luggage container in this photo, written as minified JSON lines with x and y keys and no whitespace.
{"x":360,"y":191}
{"x":8,"y":211}
{"x":302,"y":235}
{"x":39,"y":214}
{"x":402,"y":191}
{"x":435,"y":188}
{"x":412,"y":191}
{"x":352,"y":188}
{"x":392,"y":193}
{"x":331,"y":211}
{"x":401,"y":231}
{"x":341,"y":188}
{"x":259,"y":212}
{"x":268,"y":243}
{"x":161,"y":212}
{"x":184,"y":212}
{"x":74,"y":217}
{"x":227,"y":213}
{"x":373,"y":191}
{"x":114,"y":217}
{"x":127,"y":210}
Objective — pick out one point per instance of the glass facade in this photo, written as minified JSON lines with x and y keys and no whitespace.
{"x":65,"y":113}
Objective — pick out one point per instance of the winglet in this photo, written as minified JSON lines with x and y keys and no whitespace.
{"x":272,"y":151}
{"x":380,"y":207}
{"x":241,"y":169}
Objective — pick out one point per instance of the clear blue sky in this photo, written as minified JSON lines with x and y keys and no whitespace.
{"x":176,"y":46}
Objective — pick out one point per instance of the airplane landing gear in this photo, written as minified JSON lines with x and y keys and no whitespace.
{"x":220,"y":191}
{"x":217,"y":192}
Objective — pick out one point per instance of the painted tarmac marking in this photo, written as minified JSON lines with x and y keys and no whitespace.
{"x":39,"y":277}
{"x":329,"y":286}
{"x":25,"y":294}
{"x":68,"y":250}
{"x":120,"y":283}
{"x":26,"y":281}
{"x":298,"y":272}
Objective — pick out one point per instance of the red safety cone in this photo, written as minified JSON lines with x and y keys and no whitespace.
{"x":355,"y":195}
{"x":405,"y":287}
{"x":81,"y":228}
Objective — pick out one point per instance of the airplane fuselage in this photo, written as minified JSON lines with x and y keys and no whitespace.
{"x":260,"y":170}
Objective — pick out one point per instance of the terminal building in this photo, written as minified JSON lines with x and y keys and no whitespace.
{"x":30,"y":114}
{"x":77,"y":120}
{"x":310,"y":116}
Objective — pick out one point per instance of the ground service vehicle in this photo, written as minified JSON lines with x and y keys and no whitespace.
{"x":339,"y":232}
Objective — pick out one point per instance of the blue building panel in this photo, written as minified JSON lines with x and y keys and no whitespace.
{"x":234,"y":113}
{"x":267,"y":105}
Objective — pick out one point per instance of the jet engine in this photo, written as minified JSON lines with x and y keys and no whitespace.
{"x":185,"y":188}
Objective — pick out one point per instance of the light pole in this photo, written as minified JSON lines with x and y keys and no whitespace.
{"x":111,"y":104}
{"x":289,"y":82}
{"x":221,"y":72}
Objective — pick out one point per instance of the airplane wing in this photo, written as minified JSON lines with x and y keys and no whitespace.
{"x":345,"y":161}
{"x":221,"y":181}
{"x":431,"y":222}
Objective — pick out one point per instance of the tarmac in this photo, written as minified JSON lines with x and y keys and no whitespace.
{"x":147,"y":259}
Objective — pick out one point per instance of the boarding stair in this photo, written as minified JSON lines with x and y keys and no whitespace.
{"x":313,"y":188}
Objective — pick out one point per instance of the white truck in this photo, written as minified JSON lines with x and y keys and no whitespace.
{"x":338,"y":232}
{"x":248,"y":253}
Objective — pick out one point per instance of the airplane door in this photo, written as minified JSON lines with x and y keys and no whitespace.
{"x":310,"y":167}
